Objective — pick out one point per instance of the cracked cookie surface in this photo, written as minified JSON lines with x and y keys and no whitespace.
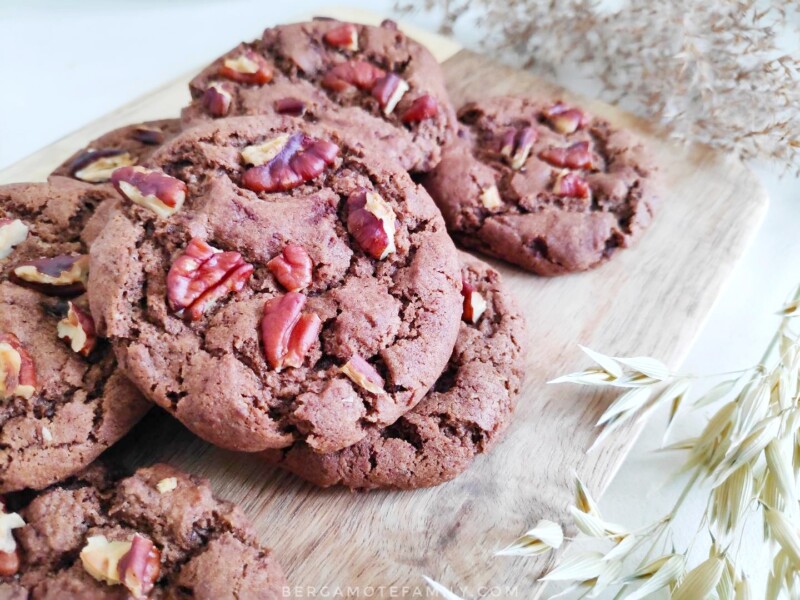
{"x":464,"y":415}
{"x":543,"y":185}
{"x":206,"y":547}
{"x":79,"y":405}
{"x":232,"y":371}
{"x":299,"y":59}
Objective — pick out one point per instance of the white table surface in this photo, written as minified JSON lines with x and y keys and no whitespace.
{"x":63,"y":63}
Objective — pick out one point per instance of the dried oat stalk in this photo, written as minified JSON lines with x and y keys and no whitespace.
{"x":711,"y":72}
{"x":746,"y":460}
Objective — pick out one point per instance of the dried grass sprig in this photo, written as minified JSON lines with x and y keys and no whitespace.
{"x":712,"y":72}
{"x":746,"y":459}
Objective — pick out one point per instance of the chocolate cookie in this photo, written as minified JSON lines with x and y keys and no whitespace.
{"x":121,"y":147}
{"x":464,"y":414}
{"x":157,"y":534}
{"x":266,"y":282}
{"x":392,"y":85}
{"x":542,"y":185}
{"x":62,"y":399}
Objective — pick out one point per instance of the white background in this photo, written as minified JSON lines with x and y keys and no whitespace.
{"x":62,"y":64}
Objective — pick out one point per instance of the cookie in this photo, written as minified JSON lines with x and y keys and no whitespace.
{"x":463,"y":415}
{"x":157,"y":534}
{"x":543,"y":185}
{"x":268,"y":282}
{"x":62,"y":399}
{"x":127,"y":145}
{"x":391,"y":87}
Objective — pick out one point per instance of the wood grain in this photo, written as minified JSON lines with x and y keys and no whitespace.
{"x":651,"y":300}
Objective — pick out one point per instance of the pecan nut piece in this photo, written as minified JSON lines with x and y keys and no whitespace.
{"x":286,"y":162}
{"x":12,"y":233}
{"x":150,"y":188}
{"x":371,"y":221}
{"x":217,"y":99}
{"x":388,"y":91}
{"x":9,"y":555}
{"x":17,"y":371}
{"x":167,"y":485}
{"x":201,"y":276}
{"x":62,"y":275}
{"x":100,"y":558}
{"x":564,"y":119}
{"x":286,"y":332}
{"x":474,"y":303}
{"x":516,"y":144}
{"x":78,"y":329}
{"x":363,"y":374}
{"x":294,"y":107}
{"x":9,"y":563}
{"x":424,"y":107}
{"x":249,"y":68}
{"x":576,"y":156}
{"x":353,"y":73}
{"x":96,"y":166}
{"x":140,"y":567}
{"x":345,"y":37}
{"x":292,"y":268}
{"x":569,"y":184}
{"x":152,"y":136}
{"x":490,"y":198}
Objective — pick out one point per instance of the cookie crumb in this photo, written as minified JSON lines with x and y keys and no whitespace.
{"x":167,"y":485}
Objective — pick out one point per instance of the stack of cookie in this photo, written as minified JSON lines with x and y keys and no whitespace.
{"x":266,"y":270}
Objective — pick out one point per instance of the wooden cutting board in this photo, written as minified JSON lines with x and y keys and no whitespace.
{"x":652,"y":299}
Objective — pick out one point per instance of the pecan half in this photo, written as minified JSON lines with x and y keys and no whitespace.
{"x":152,"y":136}
{"x":78,"y":329}
{"x":286,"y":332}
{"x":388,"y":91}
{"x":424,"y":107}
{"x":570,"y":184}
{"x":293,"y":107}
{"x":96,"y":166}
{"x":140,"y":567}
{"x":353,"y":73}
{"x":371,"y":221}
{"x":150,"y":188}
{"x":12,"y":233}
{"x":286,"y":162}
{"x":363,"y":374}
{"x":576,"y":156}
{"x":217,"y":99}
{"x":17,"y":371}
{"x":292,"y":268}
{"x":63,"y":275}
{"x":516,"y":144}
{"x":201,"y":276}
{"x":249,"y":68}
{"x":564,"y":119}
{"x":345,"y":37}
{"x":474,"y":303}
